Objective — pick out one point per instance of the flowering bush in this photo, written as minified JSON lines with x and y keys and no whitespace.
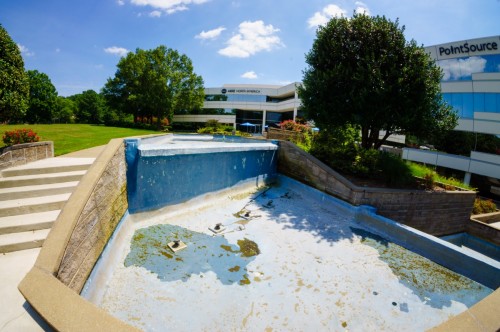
{"x":292,"y":125}
{"x":20,"y":136}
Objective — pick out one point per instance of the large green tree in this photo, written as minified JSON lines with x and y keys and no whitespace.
{"x":154,"y":83}
{"x":43,"y":98}
{"x":66,"y":109}
{"x":362,"y":72}
{"x":91,"y":107}
{"x":14,"y":85}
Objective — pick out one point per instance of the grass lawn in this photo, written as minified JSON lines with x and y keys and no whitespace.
{"x":73,"y":137}
{"x":421,"y":171}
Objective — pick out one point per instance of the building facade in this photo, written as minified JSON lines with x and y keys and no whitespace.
{"x":248,"y":107}
{"x":471,"y":85}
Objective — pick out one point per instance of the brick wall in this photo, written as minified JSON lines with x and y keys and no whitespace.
{"x":21,"y":154}
{"x":280,"y":134}
{"x":484,"y":231}
{"x":436,"y":213}
{"x":104,"y":208}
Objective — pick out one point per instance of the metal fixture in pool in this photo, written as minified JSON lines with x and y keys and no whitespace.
{"x":218,"y":228}
{"x":176,"y":245}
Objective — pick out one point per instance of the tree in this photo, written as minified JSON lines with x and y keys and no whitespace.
{"x":14,"y":86}
{"x":66,"y":109}
{"x":154,"y":83}
{"x":43,"y":98}
{"x":362,"y":72}
{"x":91,"y":107}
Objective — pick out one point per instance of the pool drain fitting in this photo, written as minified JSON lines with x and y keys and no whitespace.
{"x":218,"y":228}
{"x":176,"y":245}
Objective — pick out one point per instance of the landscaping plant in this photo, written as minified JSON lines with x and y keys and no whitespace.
{"x":20,"y":136}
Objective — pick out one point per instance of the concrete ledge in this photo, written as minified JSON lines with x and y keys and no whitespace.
{"x":64,"y":309}
{"x":482,"y":317}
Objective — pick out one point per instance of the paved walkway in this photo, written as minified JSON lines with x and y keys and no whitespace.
{"x":16,"y":314}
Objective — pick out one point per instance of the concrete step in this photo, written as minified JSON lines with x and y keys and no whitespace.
{"x":37,"y":191}
{"x":33,"y":180}
{"x":50,"y":165}
{"x":28,"y":222}
{"x":22,"y":241}
{"x":32,"y":205}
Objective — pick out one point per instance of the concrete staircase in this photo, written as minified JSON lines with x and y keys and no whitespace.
{"x":31,"y":197}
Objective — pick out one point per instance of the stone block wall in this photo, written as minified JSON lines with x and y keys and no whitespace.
{"x":280,"y":134}
{"x":101,"y":213}
{"x":21,"y":154}
{"x":436,"y":213}
{"x":484,"y":231}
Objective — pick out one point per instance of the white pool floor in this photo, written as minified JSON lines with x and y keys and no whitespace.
{"x":317,"y":270}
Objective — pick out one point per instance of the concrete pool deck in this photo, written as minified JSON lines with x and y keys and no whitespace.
{"x":318,"y":269}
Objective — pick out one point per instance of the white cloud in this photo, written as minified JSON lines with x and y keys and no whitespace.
{"x":155,"y":13}
{"x":362,"y":8}
{"x":252,"y":37}
{"x":24,"y":50}
{"x":116,"y":50}
{"x":322,"y":17}
{"x":210,"y":34}
{"x":120,"y":2}
{"x":457,"y":68}
{"x":168,"y":6}
{"x":251,"y":75}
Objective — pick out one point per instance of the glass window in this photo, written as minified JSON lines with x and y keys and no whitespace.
{"x":247,"y":98}
{"x":479,"y":102}
{"x":457,"y":103}
{"x":461,"y":69}
{"x":490,"y":102}
{"x":467,"y":105}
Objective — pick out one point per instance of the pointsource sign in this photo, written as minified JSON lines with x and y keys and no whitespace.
{"x":465,"y":48}
{"x":240,"y":91}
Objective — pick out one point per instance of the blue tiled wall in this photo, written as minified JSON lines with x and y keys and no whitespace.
{"x":157,"y":181}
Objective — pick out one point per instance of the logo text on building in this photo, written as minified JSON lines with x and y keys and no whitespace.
{"x":240,"y":91}
{"x":466,"y":48}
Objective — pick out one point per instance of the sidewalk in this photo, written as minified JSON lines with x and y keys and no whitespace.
{"x":16,"y":314}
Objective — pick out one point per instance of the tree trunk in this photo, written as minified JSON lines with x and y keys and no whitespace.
{"x":382,"y":141}
{"x":364,"y":137}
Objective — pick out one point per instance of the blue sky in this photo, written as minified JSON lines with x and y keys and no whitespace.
{"x":78,"y":43}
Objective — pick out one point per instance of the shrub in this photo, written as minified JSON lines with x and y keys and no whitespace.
{"x":483,"y":206}
{"x":430,"y":180}
{"x":20,"y":136}
{"x":394,"y":171}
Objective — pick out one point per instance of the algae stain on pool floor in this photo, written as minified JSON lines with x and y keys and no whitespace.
{"x":204,"y":253}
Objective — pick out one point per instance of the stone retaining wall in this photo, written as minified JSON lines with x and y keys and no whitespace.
{"x":280,"y":134}
{"x":101,"y":213}
{"x":436,"y":213}
{"x":21,"y":154}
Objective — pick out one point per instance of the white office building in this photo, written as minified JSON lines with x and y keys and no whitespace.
{"x":249,"y":107}
{"x":471,"y":85}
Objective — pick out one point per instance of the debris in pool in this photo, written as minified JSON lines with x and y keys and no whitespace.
{"x":375,"y":293}
{"x":218,"y":228}
{"x":394,"y":304}
{"x":269,"y":204}
{"x":176,"y":245}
